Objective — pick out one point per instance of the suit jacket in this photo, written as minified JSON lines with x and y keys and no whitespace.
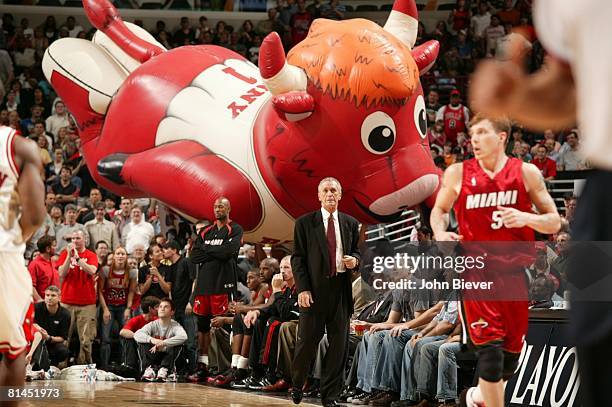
{"x":310,"y":259}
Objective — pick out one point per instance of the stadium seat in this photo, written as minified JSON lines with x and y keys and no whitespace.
{"x":150,"y":6}
{"x":50,"y":3}
{"x":367,"y":7}
{"x":73,"y":3}
{"x":180,"y":5}
{"x":386,"y":7}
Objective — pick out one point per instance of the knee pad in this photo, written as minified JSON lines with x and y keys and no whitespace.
{"x":490,"y":363}
{"x":204,"y":323}
{"x":510,"y":365}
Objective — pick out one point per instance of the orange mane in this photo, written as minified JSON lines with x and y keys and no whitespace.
{"x":357,"y":59}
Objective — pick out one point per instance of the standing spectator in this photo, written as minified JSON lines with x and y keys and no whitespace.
{"x":87,"y":213}
{"x":432,"y":103}
{"x":216,"y":251}
{"x":117,"y":288}
{"x":300,"y":22}
{"x":100,"y":229}
{"x":72,"y":27}
{"x":152,"y":277}
{"x":56,"y":217}
{"x":455,"y":116}
{"x":185,"y":35}
{"x":122,"y":216}
{"x":159,"y":342}
{"x":547,"y":167}
{"x":248,"y":263}
{"x":492,"y":33}
{"x":181,"y":277}
{"x":138,"y":231}
{"x":570,"y":159}
{"x":481,"y":21}
{"x":55,"y":321}
{"x":333,"y":10}
{"x":64,"y":233}
{"x":101,"y":250}
{"x":460,"y":16}
{"x":43,"y":269}
{"x":35,"y":115}
{"x":77,"y":271}
{"x":265,"y":27}
{"x":58,"y":119}
{"x":65,"y":190}
{"x":510,"y":14}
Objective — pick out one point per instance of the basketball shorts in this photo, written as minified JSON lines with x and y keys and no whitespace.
{"x":16,"y":308}
{"x":495,"y":322}
{"x":211,"y":305}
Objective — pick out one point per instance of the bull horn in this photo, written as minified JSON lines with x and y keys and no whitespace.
{"x":278,"y":75}
{"x":403,"y":22}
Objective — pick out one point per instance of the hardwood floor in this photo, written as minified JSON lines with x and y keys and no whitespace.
{"x":117,"y":394}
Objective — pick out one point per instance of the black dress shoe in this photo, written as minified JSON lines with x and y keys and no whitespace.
{"x":296,"y":395}
{"x":330,"y":403}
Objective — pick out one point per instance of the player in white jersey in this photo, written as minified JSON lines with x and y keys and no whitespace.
{"x":575,"y":86}
{"x":22,"y":211}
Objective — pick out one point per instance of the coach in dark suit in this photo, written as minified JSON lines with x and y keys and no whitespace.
{"x":325,"y":253}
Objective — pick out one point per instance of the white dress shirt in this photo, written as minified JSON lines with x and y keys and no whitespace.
{"x":339,"y":252}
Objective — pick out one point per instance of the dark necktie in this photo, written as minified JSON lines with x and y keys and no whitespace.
{"x":331,"y":245}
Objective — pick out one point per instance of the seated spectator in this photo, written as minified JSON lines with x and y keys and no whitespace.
{"x":65,"y":190}
{"x":547,"y":167}
{"x":300,"y":22}
{"x":480,"y":22}
{"x":129,"y":348}
{"x":333,"y":10}
{"x":448,"y":155}
{"x":58,"y":119}
{"x":117,"y":286}
{"x":550,"y":150}
{"x":492,"y":33}
{"x":570,"y":158}
{"x":86,"y":213}
{"x":100,"y":229}
{"x":53,"y":169}
{"x":43,"y":269}
{"x":443,"y":324}
{"x":436,"y":379}
{"x":55,"y":213}
{"x":54,"y":321}
{"x":159,"y":343}
{"x":138,"y":231}
{"x":122,"y":217}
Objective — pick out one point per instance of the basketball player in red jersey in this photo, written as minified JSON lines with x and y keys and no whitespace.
{"x":22,"y":211}
{"x":475,"y":188}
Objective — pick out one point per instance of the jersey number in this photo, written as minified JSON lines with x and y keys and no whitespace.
{"x":497,"y":220}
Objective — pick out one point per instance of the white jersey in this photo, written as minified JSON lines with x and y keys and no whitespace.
{"x":576,"y":32}
{"x":11,"y":238}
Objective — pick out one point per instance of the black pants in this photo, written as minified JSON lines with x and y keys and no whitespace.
{"x":592,"y":321}
{"x":311,"y":327}
{"x":165,"y":359}
{"x":263,"y":353}
{"x":49,"y":354}
{"x":129,"y":353}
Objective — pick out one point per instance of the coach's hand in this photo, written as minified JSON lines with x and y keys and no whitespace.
{"x":513,"y":218}
{"x":305,"y":299}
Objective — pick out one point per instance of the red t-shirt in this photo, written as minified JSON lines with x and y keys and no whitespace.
{"x":547,"y":167}
{"x":44,"y":273}
{"x":136,"y":323}
{"x":78,"y":287}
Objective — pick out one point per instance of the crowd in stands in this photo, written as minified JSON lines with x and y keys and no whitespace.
{"x":136,"y":277}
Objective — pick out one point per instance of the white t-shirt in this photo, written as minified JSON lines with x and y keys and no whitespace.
{"x":480,"y":23}
{"x":576,"y":32}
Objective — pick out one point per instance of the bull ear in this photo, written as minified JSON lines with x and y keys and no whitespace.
{"x":425,"y":55}
{"x":294,"y":106}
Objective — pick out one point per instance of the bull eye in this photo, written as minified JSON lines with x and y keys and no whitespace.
{"x":420,"y":116}
{"x":378,"y":133}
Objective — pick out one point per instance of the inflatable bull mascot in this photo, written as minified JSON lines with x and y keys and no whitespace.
{"x":191,"y":124}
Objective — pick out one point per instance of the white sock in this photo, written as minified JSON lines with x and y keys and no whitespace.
{"x":474,"y":397}
{"x":243,"y":363}
{"x":203,"y":359}
{"x":235,"y":359}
